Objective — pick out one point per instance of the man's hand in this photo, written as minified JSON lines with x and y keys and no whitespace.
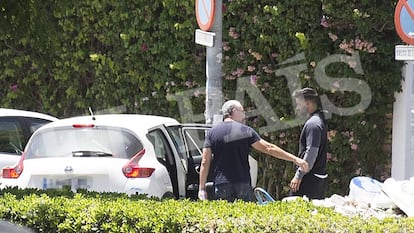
{"x":202,"y":194}
{"x":294,"y":184}
{"x":302,"y":164}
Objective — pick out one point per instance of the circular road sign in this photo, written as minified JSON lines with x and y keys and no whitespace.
{"x":205,"y":10}
{"x":404,"y":20}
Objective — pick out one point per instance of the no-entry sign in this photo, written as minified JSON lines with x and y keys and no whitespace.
{"x":404,"y":20}
{"x":205,"y":10}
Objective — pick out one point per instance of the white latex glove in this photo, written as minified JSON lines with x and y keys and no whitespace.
{"x":202,"y":194}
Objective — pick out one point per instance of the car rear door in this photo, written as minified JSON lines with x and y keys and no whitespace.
{"x":166,"y":154}
{"x":188,"y":140}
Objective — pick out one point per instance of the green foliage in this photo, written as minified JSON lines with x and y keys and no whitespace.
{"x":89,"y":212}
{"x":63,"y":57}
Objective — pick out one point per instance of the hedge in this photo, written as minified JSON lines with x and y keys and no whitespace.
{"x":62,"y":211}
{"x":128,"y":56}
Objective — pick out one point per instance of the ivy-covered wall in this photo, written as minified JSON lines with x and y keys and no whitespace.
{"x":61,"y":57}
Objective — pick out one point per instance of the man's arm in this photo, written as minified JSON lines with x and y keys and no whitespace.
{"x":313,"y":140}
{"x":204,"y":169}
{"x":310,"y":157}
{"x":277,"y":152}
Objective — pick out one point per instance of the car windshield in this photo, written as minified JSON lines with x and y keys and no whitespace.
{"x":83,"y":142}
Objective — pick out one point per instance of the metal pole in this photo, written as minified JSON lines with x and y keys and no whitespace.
{"x":214,"y":96}
{"x":403,"y":128}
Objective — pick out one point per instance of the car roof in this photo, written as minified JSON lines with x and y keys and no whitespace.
{"x":24,"y":113}
{"x":134,"y":122}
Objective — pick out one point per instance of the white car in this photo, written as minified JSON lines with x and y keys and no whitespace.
{"x":123,"y":153}
{"x":16,"y":127}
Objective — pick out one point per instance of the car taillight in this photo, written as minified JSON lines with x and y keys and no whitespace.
{"x":14,"y":172}
{"x":138,"y":172}
{"x":83,"y":125}
{"x":133,"y":170}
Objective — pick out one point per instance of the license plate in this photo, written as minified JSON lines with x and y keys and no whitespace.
{"x":71,"y":183}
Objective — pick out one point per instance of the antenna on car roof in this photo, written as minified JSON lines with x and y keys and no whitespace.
{"x":91,"y":112}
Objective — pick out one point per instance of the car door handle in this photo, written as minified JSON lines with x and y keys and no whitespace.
{"x":197,"y":169}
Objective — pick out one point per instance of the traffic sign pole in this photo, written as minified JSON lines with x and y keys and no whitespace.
{"x":403,"y":115}
{"x":214,"y":96}
{"x":209,"y":19}
{"x":403,"y":127}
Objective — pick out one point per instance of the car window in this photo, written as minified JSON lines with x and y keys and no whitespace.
{"x":35,"y":123}
{"x":84,"y":142}
{"x":176,"y":136}
{"x":11,"y":136}
{"x":161,"y":147}
{"x":194,"y":138}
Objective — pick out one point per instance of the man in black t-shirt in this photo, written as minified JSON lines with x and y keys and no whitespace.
{"x":230,"y":142}
{"x":313,"y":147}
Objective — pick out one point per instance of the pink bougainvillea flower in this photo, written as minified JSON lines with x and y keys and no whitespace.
{"x":189,"y":83}
{"x":358,"y":44}
{"x":144,"y":47}
{"x":13,"y":87}
{"x":332,"y":36}
{"x":226,"y":46}
{"x":332,"y":134}
{"x":230,"y":77}
{"x":329,"y":156}
{"x":241,"y":55}
{"x":324,"y":21}
{"x":253,"y":79}
{"x":196,"y":93}
{"x":238,"y":72}
{"x":267,"y":69}
{"x":233,"y":33}
{"x":354,"y":146}
{"x":352,"y":64}
{"x":256,"y":55}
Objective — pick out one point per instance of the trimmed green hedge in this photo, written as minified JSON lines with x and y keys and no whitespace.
{"x":62,"y":211}
{"x":61,"y":57}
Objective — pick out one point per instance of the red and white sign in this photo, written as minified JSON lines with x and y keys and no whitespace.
{"x":205,"y":12}
{"x":404,"y":20}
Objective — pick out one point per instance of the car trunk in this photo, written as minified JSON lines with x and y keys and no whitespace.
{"x":94,"y":174}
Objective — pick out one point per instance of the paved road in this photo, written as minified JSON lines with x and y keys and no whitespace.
{"x":7,"y":227}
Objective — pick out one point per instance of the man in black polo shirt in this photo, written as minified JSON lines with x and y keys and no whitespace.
{"x":313,"y":147}
{"x":230,"y":142}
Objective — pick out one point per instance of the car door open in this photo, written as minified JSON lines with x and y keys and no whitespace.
{"x":194,"y":136}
